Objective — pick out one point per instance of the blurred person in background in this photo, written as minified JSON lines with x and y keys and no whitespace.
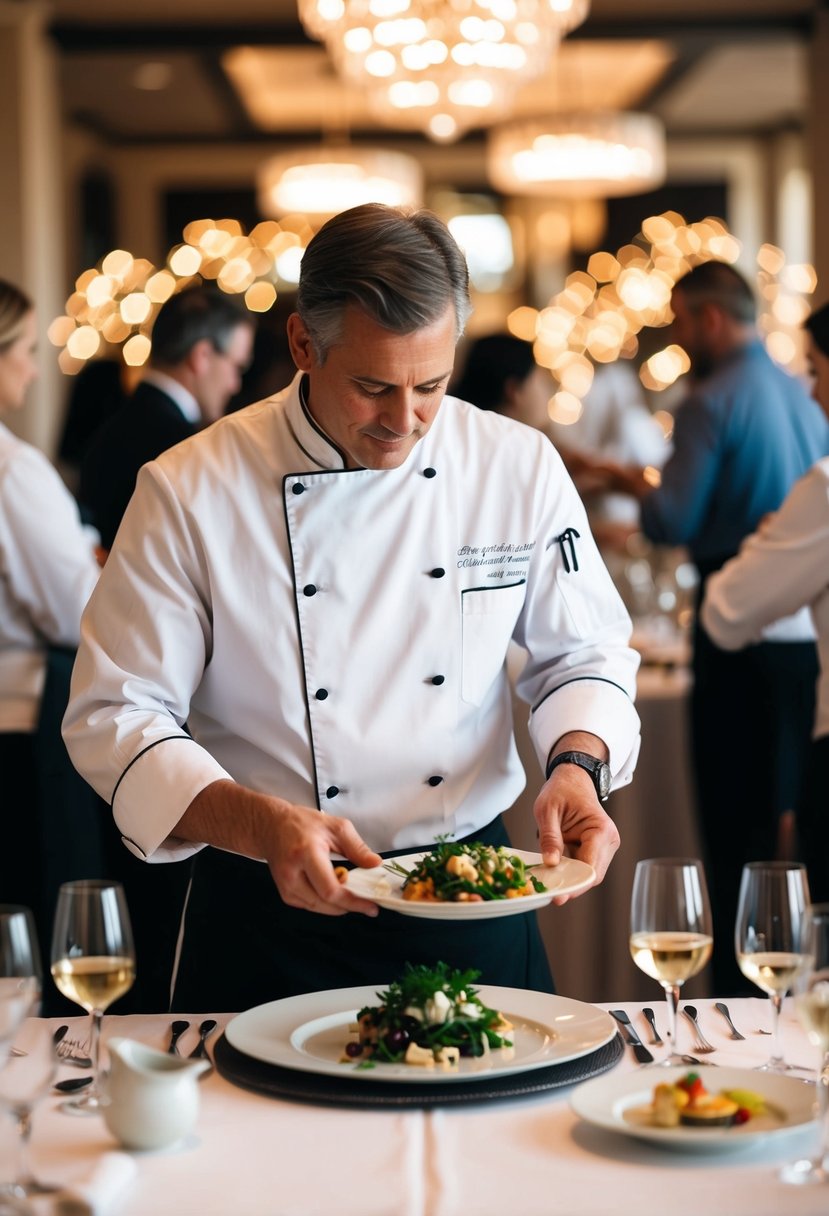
{"x":51,"y":822}
{"x":743,"y":435}
{"x":202,"y":343}
{"x":780,"y":569}
{"x":95,"y":394}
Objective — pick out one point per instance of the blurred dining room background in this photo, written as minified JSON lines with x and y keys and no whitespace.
{"x":147,"y":144}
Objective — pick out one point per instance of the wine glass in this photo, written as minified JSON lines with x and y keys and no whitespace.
{"x":93,"y":962}
{"x":670,"y":928}
{"x":768,"y":936}
{"x":812,"y":1003}
{"x":20,"y":978}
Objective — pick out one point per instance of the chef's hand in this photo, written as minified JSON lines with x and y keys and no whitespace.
{"x":300,"y":860}
{"x":297,"y":842}
{"x":569,"y":815}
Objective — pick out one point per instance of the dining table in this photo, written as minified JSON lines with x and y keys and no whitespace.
{"x":252,"y":1153}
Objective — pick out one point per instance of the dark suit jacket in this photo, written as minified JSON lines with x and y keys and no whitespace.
{"x":144,"y":427}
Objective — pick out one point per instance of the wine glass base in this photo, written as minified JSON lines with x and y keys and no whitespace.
{"x":780,"y":1066}
{"x":804,"y":1173}
{"x":87,"y":1104}
{"x":29,"y":1187}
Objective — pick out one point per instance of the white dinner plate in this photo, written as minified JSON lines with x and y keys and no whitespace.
{"x":385,"y":888}
{"x":618,"y":1103}
{"x":309,"y":1033}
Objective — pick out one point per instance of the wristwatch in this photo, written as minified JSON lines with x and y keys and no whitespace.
{"x":598,"y":770}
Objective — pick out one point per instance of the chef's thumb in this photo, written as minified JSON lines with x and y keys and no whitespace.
{"x":355,"y":848}
{"x":551,"y":844}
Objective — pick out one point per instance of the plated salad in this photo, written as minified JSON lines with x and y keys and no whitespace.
{"x":467,"y":873}
{"x":430,"y":1017}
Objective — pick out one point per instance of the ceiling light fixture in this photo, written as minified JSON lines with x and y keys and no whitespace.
{"x":440,"y":65}
{"x":321,"y":181}
{"x":586,"y":155}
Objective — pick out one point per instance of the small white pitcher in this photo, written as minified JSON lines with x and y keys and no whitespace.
{"x":153,"y":1098}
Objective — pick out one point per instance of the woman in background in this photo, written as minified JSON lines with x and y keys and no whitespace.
{"x":782,"y":568}
{"x":47,"y":571}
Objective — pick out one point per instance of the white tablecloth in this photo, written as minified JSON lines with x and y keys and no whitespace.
{"x":258,"y":1156}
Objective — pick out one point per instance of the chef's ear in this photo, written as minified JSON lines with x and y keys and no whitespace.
{"x":299,"y":341}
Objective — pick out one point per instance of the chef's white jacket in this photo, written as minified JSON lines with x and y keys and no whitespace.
{"x":47,"y":572}
{"x":778,"y":571}
{"x":339,"y":638}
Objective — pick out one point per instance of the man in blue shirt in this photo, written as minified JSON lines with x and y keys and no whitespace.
{"x":744,"y":434}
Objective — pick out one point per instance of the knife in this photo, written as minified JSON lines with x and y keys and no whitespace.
{"x":639,"y":1049}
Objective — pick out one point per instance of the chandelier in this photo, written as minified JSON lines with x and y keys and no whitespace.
{"x":440,"y":65}
{"x":585,"y":155}
{"x":321,"y":181}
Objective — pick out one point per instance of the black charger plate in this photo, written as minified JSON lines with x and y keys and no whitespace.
{"x":299,"y":1086}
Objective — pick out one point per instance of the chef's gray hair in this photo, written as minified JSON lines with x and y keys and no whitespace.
{"x":15,"y":306}
{"x":402,"y":267}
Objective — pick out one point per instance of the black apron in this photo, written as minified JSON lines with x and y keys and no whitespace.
{"x":243,"y":946}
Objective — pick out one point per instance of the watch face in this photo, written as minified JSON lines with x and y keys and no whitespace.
{"x":603,"y":776}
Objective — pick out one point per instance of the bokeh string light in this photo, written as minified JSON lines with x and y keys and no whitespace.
{"x":115,"y":304}
{"x":599,"y":313}
{"x":595,"y":318}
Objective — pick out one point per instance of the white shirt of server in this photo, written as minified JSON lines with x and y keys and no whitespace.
{"x":47,"y":572}
{"x":778,"y":570}
{"x":339,"y":637}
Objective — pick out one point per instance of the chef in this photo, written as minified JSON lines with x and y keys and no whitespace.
{"x":324,"y":587}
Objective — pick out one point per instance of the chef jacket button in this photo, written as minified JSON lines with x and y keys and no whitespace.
{"x":435,"y":780}
{"x":438,"y":679}
{"x":430,"y":472}
{"x":321,"y":694}
{"x":438,"y":572}
{"x":298,"y":487}
{"x":332,"y":791}
{"x":310,"y":589}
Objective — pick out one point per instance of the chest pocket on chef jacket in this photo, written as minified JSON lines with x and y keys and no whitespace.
{"x":489,"y":616}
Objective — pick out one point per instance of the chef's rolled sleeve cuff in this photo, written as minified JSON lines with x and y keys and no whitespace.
{"x":595,"y":705}
{"x":155,"y":790}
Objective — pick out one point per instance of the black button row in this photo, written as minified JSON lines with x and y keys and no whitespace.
{"x":299,"y":488}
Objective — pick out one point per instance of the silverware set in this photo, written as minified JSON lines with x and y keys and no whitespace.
{"x":71,"y":1051}
{"x":701,"y":1044}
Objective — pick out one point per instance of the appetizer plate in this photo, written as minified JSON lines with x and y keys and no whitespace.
{"x":385,"y":888}
{"x":620,"y":1104}
{"x":309,"y":1033}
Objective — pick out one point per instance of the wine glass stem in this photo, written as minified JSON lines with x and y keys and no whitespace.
{"x":823,"y":1108}
{"x":95,"y":1050}
{"x":23,"y":1175}
{"x":672,"y":1002}
{"x":776,"y":1057}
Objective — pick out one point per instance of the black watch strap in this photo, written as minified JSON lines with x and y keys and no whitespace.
{"x":597,"y":769}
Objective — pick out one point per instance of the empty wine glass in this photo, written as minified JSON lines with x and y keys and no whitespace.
{"x":670,"y":928}
{"x":769,"y":936}
{"x":24,"y":1081}
{"x":20,"y":980}
{"x":93,"y":962}
{"x":812,"y":1003}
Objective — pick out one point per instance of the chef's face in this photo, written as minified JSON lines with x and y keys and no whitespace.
{"x":378,"y":392}
{"x":17,"y":365}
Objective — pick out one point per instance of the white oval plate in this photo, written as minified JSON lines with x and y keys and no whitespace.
{"x":385,"y":888}
{"x":308,"y":1033}
{"x":617,"y":1103}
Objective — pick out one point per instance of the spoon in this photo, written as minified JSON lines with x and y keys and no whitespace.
{"x":69,"y":1086}
{"x":722,"y":1008}
{"x":177,"y":1029}
{"x":206,"y":1028}
{"x":649,"y":1014}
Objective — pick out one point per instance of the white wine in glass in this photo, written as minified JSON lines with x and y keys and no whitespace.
{"x":768,"y":936}
{"x":93,"y":961}
{"x":670,"y":928}
{"x":811,"y":1001}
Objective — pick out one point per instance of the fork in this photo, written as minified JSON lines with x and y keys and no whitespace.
{"x":702,"y":1044}
{"x":72,"y":1051}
